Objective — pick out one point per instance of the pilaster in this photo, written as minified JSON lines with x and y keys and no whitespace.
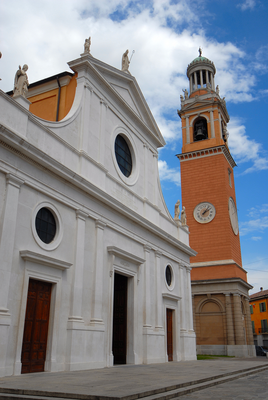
{"x":98,"y":274}
{"x":159,"y":320}
{"x":229,"y":320}
{"x":147,"y":288}
{"x":239,"y":333}
{"x":76,"y":305}
{"x":8,"y":232}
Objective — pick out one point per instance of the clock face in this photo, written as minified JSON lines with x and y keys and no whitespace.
{"x":233,"y":215}
{"x":204,"y":212}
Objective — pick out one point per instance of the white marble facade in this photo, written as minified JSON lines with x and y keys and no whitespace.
{"x":106,"y":223}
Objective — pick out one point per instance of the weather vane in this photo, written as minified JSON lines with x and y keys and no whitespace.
{"x":132,"y":55}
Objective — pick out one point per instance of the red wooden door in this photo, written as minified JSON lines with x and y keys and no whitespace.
{"x":34,"y":343}
{"x":120,"y":319}
{"x":169,"y":335}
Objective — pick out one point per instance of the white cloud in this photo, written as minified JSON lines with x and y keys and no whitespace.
{"x":244,"y":149}
{"x":258,"y":221}
{"x":49,"y":35}
{"x":256,"y":238}
{"x":247,"y":5}
{"x":169,"y":174}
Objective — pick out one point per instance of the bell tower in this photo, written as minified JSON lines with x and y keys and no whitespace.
{"x":219,"y":282}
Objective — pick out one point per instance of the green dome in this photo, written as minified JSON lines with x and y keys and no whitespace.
{"x":197,"y":59}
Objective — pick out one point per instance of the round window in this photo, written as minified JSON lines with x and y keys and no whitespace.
{"x":123,"y":155}
{"x":168,"y":275}
{"x":45,"y":225}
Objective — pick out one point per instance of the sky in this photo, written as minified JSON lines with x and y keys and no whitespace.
{"x":165,"y":36}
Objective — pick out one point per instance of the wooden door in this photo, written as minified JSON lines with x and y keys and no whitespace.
{"x":34,"y":343}
{"x":169,"y":335}
{"x":120,"y":319}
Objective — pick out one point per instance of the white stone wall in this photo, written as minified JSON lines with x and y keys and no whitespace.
{"x":106,"y":224}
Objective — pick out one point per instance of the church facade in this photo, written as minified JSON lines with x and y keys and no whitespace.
{"x":94,"y":270}
{"x":219,"y":282}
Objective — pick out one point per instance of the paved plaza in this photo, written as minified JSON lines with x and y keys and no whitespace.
{"x":148,"y":381}
{"x":252,"y":387}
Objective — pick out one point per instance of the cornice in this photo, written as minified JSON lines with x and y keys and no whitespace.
{"x":211,"y":151}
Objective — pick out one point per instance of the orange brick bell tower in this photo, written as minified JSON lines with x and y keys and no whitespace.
{"x":219,"y":282}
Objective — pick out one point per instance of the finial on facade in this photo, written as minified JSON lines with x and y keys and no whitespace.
{"x":200,"y":51}
{"x":125,"y":61}
{"x":87,"y":45}
{"x":21,"y":82}
{"x":177,"y":211}
{"x":183,"y":217}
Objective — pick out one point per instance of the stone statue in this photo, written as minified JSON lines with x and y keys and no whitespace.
{"x":218,"y":90}
{"x":209,"y":87}
{"x":181,"y":97}
{"x":21,"y":82}
{"x":200,"y":51}
{"x":183,"y":216}
{"x":186,"y":95}
{"x":87,"y":45}
{"x":125,"y":61}
{"x":177,"y":211}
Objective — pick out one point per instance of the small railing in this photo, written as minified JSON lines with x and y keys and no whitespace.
{"x":263,"y":330}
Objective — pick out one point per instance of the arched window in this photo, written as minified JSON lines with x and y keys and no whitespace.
{"x":200,"y":129}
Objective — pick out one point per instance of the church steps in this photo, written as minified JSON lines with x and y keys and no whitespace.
{"x":164,"y":393}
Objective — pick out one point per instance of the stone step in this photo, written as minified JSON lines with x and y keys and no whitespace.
{"x":164,"y":393}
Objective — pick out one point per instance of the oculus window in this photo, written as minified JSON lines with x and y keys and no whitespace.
{"x":123,"y":155}
{"x":168,"y":275}
{"x":45,"y":225}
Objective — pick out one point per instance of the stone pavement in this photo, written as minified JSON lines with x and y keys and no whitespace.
{"x":137,"y":381}
{"x":252,"y":387}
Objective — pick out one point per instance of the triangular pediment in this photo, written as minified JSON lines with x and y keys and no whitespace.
{"x":126,"y":88}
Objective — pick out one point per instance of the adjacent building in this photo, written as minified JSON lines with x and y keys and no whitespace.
{"x":219,"y":282}
{"x":94,"y":270}
{"x":259,"y":317}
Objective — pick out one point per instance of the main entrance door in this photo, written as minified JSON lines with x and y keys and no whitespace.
{"x":169,"y":335}
{"x":120,"y":319}
{"x":34,"y":343}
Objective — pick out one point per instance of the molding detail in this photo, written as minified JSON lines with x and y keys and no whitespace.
{"x":124,"y":254}
{"x":170,"y":296}
{"x":28,"y":255}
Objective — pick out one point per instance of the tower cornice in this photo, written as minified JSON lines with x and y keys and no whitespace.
{"x":211,"y":151}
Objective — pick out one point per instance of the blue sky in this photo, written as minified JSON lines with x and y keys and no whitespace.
{"x":166,"y":36}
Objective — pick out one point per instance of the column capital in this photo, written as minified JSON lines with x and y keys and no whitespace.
{"x":14,"y":181}
{"x":81,"y":215}
{"x":158,"y":253}
{"x":147,"y":248}
{"x":100,"y":224}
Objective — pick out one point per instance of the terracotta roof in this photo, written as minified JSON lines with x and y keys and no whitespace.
{"x":262,"y":293}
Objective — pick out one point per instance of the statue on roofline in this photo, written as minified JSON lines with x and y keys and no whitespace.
{"x":186,"y":95}
{"x":183,"y":217}
{"x":87,"y":45}
{"x":21,"y":82}
{"x":125,"y":61}
{"x":177,"y":211}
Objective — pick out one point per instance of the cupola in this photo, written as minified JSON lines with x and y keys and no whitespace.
{"x":200,"y":73}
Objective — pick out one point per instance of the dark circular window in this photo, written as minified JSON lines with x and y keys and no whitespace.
{"x":168,"y":275}
{"x":123,"y":155}
{"x":45,"y":225}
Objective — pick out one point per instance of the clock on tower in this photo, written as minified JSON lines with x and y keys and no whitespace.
{"x":219,"y":282}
